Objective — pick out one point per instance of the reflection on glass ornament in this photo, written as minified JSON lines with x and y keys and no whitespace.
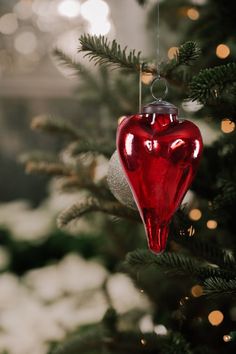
{"x":69,"y":8}
{"x":92,"y":10}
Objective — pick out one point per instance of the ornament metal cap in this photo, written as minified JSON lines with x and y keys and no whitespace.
{"x":160,"y":107}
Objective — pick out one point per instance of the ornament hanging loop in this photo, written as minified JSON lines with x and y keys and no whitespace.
{"x":163,"y":91}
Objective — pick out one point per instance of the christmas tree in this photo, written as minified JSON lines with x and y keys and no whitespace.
{"x":190,"y":288}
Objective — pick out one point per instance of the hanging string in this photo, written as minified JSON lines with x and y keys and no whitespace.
{"x":156,"y":82}
{"x":158,"y":38}
{"x":140,"y":88}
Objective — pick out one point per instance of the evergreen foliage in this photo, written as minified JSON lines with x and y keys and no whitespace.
{"x":207,"y":258}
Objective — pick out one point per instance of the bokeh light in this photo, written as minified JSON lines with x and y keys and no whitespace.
{"x":222,"y":51}
{"x":227,"y":126}
{"x":197,"y":291}
{"x":160,"y":330}
{"x":8,"y":23}
{"x":227,"y":338}
{"x":212,"y":224}
{"x":195,"y":214}
{"x":23,"y":9}
{"x":69,"y":8}
{"x":193,"y":14}
{"x":147,"y":78}
{"x":215,"y":318}
{"x":25,"y":42}
{"x":92,"y":10}
{"x":172,"y":52}
{"x":146,"y":324}
{"x":99,"y":27}
{"x":191,"y":106}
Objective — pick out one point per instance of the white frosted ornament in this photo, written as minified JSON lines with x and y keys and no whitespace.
{"x":118,"y":184}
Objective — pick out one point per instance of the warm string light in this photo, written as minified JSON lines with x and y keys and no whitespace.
{"x":191,"y":231}
{"x":212,"y":224}
{"x":222,"y":51}
{"x":193,"y":14}
{"x":227,"y":126}
{"x":172,"y":52}
{"x":227,"y":338}
{"x":147,"y":78}
{"x":184,"y":300}
{"x":143,"y":342}
{"x":197,"y":291}
{"x":195,"y":214}
{"x":215,"y":317}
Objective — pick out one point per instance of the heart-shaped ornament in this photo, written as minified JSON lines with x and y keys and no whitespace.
{"x":159,"y":155}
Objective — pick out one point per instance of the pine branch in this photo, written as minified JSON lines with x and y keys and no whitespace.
{"x":174,"y":263}
{"x":92,"y":340}
{"x":99,"y":340}
{"x":67,"y":61}
{"x":54,"y":126}
{"x":103,"y":148}
{"x":209,"y":84}
{"x":48,"y":168}
{"x":37,"y":156}
{"x":186,"y":55}
{"x":226,"y":196}
{"x":92,"y":204}
{"x":208,"y":251}
{"x":101,"y":51}
{"x":217,"y":287}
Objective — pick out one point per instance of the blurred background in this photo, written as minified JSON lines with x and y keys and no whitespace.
{"x":43,"y":292}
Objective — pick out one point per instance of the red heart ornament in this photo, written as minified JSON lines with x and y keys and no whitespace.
{"x":159,"y":155}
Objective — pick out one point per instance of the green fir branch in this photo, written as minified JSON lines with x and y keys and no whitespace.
{"x":98,"y":148}
{"x":209,"y":85}
{"x":126,"y":342}
{"x":52,"y":125}
{"x":226,"y":196}
{"x":92,"y":204}
{"x":188,"y":53}
{"x":67,"y":61}
{"x":208,"y":251}
{"x":217,"y":287}
{"x":174,"y":263}
{"x":48,"y":168}
{"x":37,"y":156}
{"x":101,"y":51}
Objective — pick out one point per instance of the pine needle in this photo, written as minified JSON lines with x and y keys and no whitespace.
{"x":103,"y":52}
{"x":210,"y":84}
{"x":51,"y":125}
